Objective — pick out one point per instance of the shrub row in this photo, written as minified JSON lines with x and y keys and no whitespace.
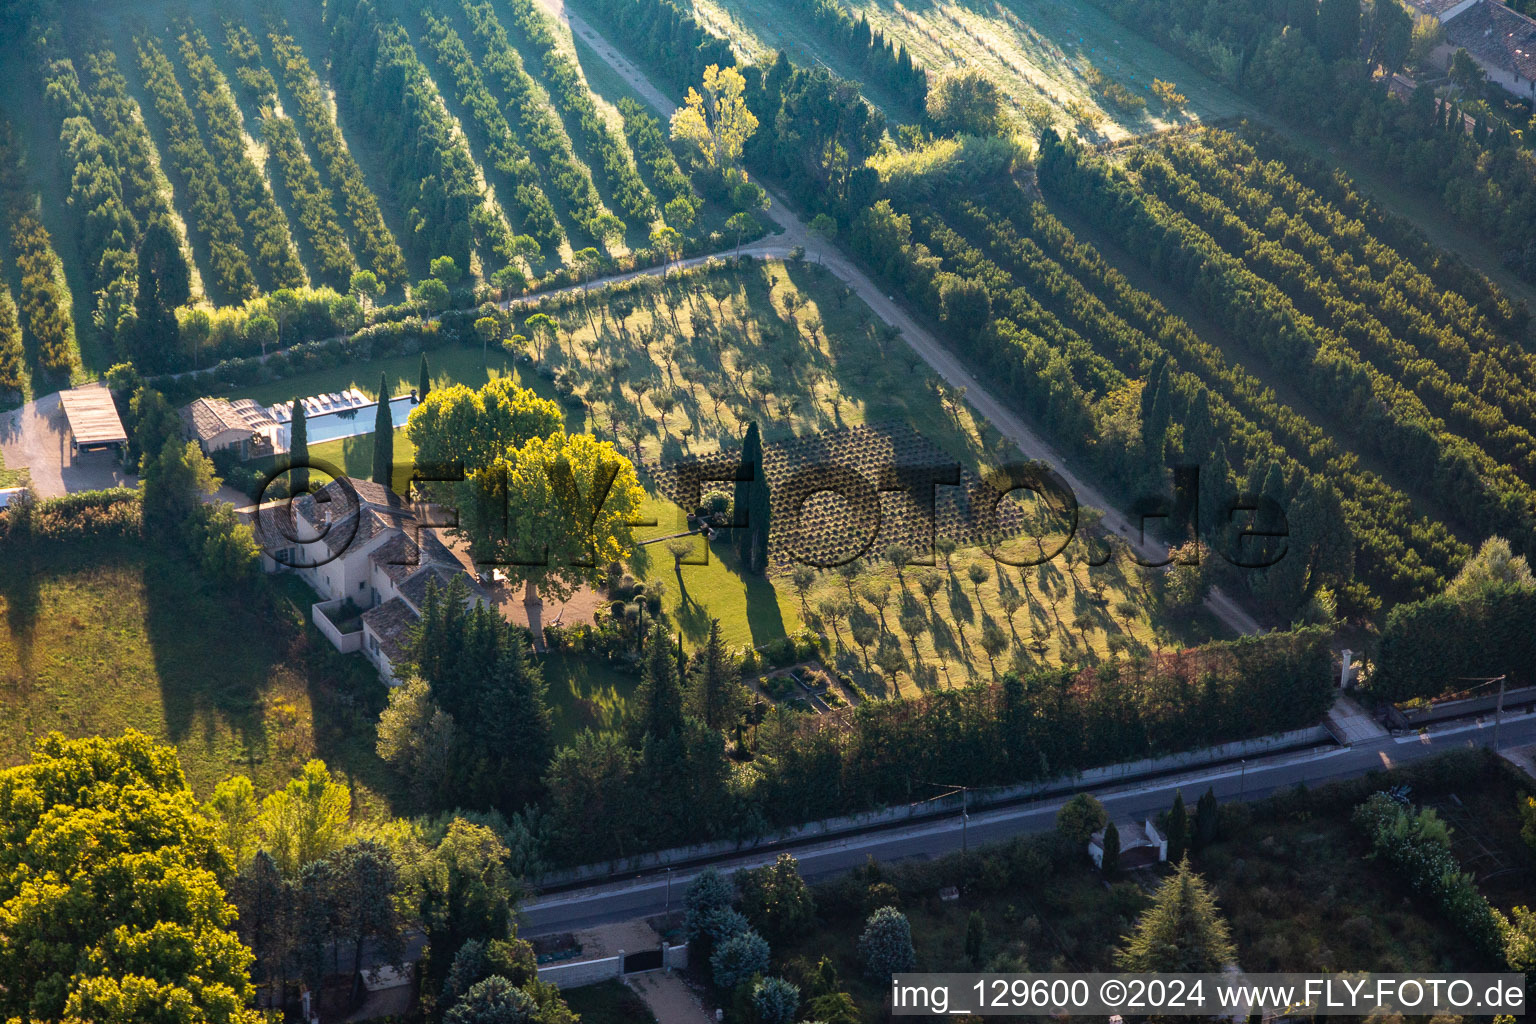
{"x":212,"y":209}
{"x":568,"y":88}
{"x":369,"y":234}
{"x":1433,"y":321}
{"x":12,"y":355}
{"x":250,"y":72}
{"x":1273,"y":54}
{"x":539,"y":125}
{"x":1377,"y":411}
{"x":45,"y":304}
{"x":275,"y":252}
{"x":1435,"y":646}
{"x":114,"y":513}
{"x":1417,"y":846}
{"x":145,"y":190}
{"x":310,"y":198}
{"x":884,"y":60}
{"x":389,"y":93}
{"x":1403,"y":552}
{"x":1306,"y":268}
{"x":400,"y":337}
{"x":535,"y":213}
{"x":667,"y":33}
{"x":106,"y":231}
{"x":654,"y":153}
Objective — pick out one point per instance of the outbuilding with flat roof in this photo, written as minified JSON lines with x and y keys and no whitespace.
{"x":93,"y":421}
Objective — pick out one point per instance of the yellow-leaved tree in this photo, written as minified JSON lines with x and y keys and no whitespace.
{"x":717,"y":123}
{"x":553,"y":512}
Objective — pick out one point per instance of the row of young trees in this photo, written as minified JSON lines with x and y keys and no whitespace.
{"x":213,"y":211}
{"x":669,"y":36}
{"x":310,"y":199}
{"x":673,"y":188}
{"x":1378,"y":412}
{"x":1424,"y":363}
{"x":108,"y":173}
{"x":370,"y":237}
{"x":1227,"y":415}
{"x":568,"y":88}
{"x":884,"y":60}
{"x":44,"y":301}
{"x":275,"y":254}
{"x":1379,"y":291}
{"x":535,"y":213}
{"x":1181,"y":417}
{"x":390,"y":94}
{"x":538,"y":124}
{"x":1309,"y":63}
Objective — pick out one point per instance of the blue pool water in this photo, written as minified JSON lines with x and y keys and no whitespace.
{"x":332,"y":425}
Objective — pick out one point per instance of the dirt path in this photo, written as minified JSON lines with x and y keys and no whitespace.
{"x":669,"y":998}
{"x":934,"y":353}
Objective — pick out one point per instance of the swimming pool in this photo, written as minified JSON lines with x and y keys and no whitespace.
{"x":347,"y":422}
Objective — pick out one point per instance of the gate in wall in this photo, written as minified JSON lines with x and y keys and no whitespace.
{"x":645,"y":960}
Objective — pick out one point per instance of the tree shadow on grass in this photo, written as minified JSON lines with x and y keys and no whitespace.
{"x":212,"y":653}
{"x":20,"y":589}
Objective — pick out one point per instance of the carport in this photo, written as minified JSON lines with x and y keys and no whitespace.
{"x":94,"y":425}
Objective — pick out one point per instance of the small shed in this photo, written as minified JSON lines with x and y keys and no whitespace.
{"x":93,"y":421}
{"x":1141,"y":845}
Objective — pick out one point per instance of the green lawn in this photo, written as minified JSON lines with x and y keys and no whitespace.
{"x":586,"y":694}
{"x":96,"y":638}
{"x":13,"y":477}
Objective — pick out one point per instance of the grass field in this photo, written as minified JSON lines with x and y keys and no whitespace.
{"x":96,"y":638}
{"x":1031,"y":48}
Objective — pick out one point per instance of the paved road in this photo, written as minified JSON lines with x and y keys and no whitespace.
{"x":648,"y":894}
{"x":936,"y":354}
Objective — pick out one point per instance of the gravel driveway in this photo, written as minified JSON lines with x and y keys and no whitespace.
{"x":36,"y":437}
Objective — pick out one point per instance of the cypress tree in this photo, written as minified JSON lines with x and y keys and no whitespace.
{"x":1178,"y":828}
{"x":975,"y":938}
{"x":658,"y":710}
{"x":751,"y":499}
{"x":424,"y":378}
{"x":298,"y":450}
{"x":714,"y":689}
{"x":1111,"y":862}
{"x":1207,"y":819}
{"x":383,"y":437}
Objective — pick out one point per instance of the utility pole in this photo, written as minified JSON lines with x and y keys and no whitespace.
{"x":668,"y":911}
{"x":1242,"y":780}
{"x":1498,"y":714}
{"x":1498,"y":710}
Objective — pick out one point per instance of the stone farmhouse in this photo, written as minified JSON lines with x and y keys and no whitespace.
{"x":364,"y":551}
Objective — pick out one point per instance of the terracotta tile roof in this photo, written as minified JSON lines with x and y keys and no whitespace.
{"x":391,"y":622}
{"x":1434,"y":7}
{"x":207,"y":418}
{"x":414,"y":589}
{"x":397,"y":557}
{"x":1497,"y":36}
